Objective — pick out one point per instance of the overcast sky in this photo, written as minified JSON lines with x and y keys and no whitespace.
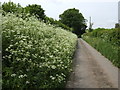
{"x":104,"y":13}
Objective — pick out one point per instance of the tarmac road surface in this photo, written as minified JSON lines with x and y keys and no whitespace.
{"x":91,"y":69}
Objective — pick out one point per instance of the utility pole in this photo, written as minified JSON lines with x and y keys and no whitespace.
{"x":117,"y":25}
{"x":90,"y":25}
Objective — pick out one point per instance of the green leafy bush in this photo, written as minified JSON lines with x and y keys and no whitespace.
{"x":107,"y":42}
{"x":57,"y":23}
{"x":35,"y":55}
{"x":109,"y":35}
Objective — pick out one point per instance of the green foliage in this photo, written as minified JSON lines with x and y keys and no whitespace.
{"x":31,"y":10}
{"x":0,"y":51}
{"x":0,"y":8}
{"x":117,"y":25}
{"x":57,"y":23}
{"x":107,"y":41}
{"x":74,"y":19}
{"x":109,"y":35}
{"x":11,"y":7}
{"x":35,"y":55}
{"x":36,"y":10}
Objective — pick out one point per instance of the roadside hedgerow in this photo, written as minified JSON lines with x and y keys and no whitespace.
{"x":35,"y":55}
{"x":107,"y":42}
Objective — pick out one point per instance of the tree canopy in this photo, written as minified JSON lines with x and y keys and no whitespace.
{"x":70,"y":20}
{"x":11,"y":7}
{"x":75,"y":20}
{"x":36,"y":10}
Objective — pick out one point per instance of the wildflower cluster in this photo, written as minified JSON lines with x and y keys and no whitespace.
{"x":35,"y":55}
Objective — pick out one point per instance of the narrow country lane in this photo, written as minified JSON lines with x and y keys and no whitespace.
{"x":91,"y":69}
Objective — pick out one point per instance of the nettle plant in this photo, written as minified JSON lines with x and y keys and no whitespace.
{"x":35,"y":55}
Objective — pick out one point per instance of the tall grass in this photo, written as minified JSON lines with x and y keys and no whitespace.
{"x":106,"y":42}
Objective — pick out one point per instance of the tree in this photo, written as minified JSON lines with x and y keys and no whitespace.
{"x":56,"y":23}
{"x":117,"y":25}
{"x":36,"y":10}
{"x":11,"y":7}
{"x":75,"y":20}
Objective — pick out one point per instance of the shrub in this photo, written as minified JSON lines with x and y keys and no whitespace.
{"x":107,"y":42}
{"x":57,"y":23}
{"x":35,"y":55}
